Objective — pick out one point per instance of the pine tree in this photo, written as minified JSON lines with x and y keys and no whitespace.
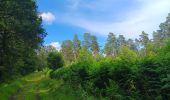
{"x":120,"y":42}
{"x":131,"y":44}
{"x":163,"y":34}
{"x":87,"y":41}
{"x":94,"y":45}
{"x":76,"y":45}
{"x":110,"y":45}
{"x":67,"y":51}
{"x":144,"y":39}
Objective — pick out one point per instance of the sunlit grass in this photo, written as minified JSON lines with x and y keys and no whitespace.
{"x":38,"y":84}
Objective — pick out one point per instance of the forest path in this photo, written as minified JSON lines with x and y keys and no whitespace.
{"x":31,"y":88}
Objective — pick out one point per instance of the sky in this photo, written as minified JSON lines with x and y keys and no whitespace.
{"x":64,"y":18}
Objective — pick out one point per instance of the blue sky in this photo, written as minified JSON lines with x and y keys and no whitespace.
{"x":64,"y":18}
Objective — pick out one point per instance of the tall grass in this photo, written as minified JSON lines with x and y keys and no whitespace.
{"x":7,"y":89}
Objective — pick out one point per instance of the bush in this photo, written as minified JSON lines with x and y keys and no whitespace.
{"x":61,"y":73}
{"x":96,"y":77}
{"x":149,"y":83}
{"x":55,"y":60}
{"x":113,"y":92}
{"x":100,"y":77}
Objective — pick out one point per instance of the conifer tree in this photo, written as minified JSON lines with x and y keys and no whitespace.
{"x":87,"y":41}
{"x":67,"y":51}
{"x":110,"y":45}
{"x":76,"y":46}
{"x":94,"y":45}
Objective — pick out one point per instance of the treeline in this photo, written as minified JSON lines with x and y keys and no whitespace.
{"x":71,"y":48}
{"x":125,"y":69}
{"x":21,"y":34}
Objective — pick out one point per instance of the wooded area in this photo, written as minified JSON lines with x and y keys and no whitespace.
{"x":124,"y":69}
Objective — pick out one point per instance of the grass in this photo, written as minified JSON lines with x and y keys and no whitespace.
{"x":23,"y":88}
{"x":7,"y":89}
{"x":38,"y":86}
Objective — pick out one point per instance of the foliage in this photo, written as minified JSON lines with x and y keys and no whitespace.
{"x":124,"y":77}
{"x":67,"y":51}
{"x":125,"y":70}
{"x":55,"y":60}
{"x":21,"y":33}
{"x":94,"y":46}
{"x":76,"y":46}
{"x":7,"y":89}
{"x":110,"y":46}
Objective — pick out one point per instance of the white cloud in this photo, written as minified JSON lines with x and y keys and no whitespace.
{"x":147,"y":18}
{"x":48,"y":17}
{"x":74,"y":4}
{"x":56,"y":45}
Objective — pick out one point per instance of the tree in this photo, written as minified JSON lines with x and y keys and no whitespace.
{"x":128,"y":56}
{"x":42,"y":55}
{"x":164,"y":27}
{"x":137,"y":44}
{"x":48,"y":49}
{"x":109,"y":48}
{"x":94,"y":45}
{"x":121,"y":40}
{"x":41,"y":58}
{"x":144,"y":39}
{"x":131,"y":44}
{"x":163,"y":34}
{"x":67,"y":51}
{"x":158,"y":38}
{"x":87,"y":41}
{"x":21,"y":33}
{"x":55,"y":60}
{"x":76,"y":46}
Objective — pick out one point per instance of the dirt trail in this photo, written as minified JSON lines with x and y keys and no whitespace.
{"x":29,"y":90}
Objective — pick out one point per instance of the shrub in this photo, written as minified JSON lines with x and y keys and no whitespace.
{"x":149,"y":83}
{"x":55,"y":60}
{"x":113,"y":92}
{"x":61,"y":73}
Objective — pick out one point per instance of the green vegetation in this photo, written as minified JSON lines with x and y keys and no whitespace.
{"x":125,"y":69}
{"x":21,"y":34}
{"x":129,"y":70}
{"x":55,"y":60}
{"x":37,"y":86}
{"x":7,"y":89}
